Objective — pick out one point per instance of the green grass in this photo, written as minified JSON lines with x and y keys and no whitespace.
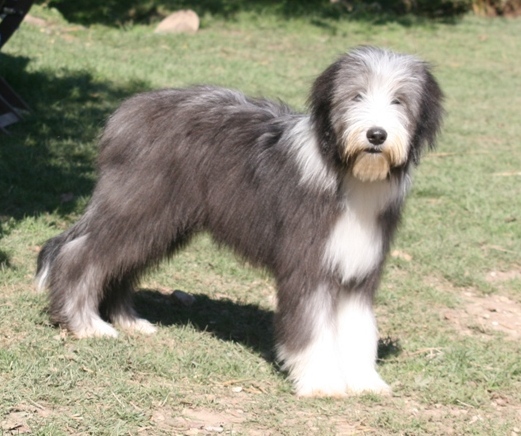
{"x":212,"y":364}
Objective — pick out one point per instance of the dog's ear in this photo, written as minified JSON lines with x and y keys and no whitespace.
{"x":431,"y":115}
{"x":320,"y":103}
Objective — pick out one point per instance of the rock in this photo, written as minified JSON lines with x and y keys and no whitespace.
{"x":185,"y":21}
{"x":183,"y":298}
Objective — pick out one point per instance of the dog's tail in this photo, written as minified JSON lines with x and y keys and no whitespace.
{"x":51,"y":250}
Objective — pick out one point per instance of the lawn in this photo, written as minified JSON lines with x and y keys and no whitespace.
{"x":449,"y":307}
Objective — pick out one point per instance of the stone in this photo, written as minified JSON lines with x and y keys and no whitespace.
{"x":185,"y":21}
{"x":183,"y":298}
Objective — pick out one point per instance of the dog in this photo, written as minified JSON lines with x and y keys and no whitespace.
{"x":314,"y":198}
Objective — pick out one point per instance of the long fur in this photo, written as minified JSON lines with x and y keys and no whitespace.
{"x":314,"y":198}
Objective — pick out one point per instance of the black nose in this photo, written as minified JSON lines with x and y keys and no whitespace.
{"x":376,"y":135}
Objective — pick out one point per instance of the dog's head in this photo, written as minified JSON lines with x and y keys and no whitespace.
{"x":375,"y":111}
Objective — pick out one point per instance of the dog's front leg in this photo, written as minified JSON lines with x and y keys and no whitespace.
{"x":357,"y":337}
{"x":328,"y":342}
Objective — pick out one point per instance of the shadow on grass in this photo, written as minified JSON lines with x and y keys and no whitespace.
{"x":118,"y":12}
{"x":227,"y":320}
{"x":388,"y":348}
{"x":47,"y":160}
{"x":247,"y":324}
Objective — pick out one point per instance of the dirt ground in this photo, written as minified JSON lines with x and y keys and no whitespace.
{"x":484,"y":315}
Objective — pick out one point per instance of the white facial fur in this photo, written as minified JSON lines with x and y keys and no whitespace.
{"x":376,"y":91}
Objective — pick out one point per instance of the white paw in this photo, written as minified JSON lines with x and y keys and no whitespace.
{"x":138,"y":325}
{"x":330,"y":385}
{"x":321,"y":391}
{"x":318,"y":379}
{"x":97,"y":328}
{"x":368,"y":382}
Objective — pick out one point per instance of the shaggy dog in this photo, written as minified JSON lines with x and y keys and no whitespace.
{"x":314,"y":198}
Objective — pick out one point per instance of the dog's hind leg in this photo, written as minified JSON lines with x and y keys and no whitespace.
{"x":118,"y":306}
{"x":76,"y":287}
{"x":50,"y":251}
{"x":46,"y":259}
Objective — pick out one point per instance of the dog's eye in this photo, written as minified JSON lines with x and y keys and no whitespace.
{"x":396,"y":101}
{"x":357,"y":97}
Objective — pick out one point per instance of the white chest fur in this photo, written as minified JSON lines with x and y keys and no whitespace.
{"x":354,"y":246}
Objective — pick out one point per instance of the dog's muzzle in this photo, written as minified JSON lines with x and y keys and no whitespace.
{"x":371,"y":164}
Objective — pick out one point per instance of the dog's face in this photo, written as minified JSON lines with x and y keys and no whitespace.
{"x":372,"y":106}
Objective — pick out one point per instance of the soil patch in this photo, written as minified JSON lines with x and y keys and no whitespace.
{"x":486,"y":315}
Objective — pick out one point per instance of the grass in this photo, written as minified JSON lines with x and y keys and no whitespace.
{"x":210,"y":367}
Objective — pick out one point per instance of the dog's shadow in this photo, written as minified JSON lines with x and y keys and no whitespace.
{"x":225,"y":319}
{"x":247,"y":324}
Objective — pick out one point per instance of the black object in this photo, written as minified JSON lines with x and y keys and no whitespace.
{"x":12,"y":12}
